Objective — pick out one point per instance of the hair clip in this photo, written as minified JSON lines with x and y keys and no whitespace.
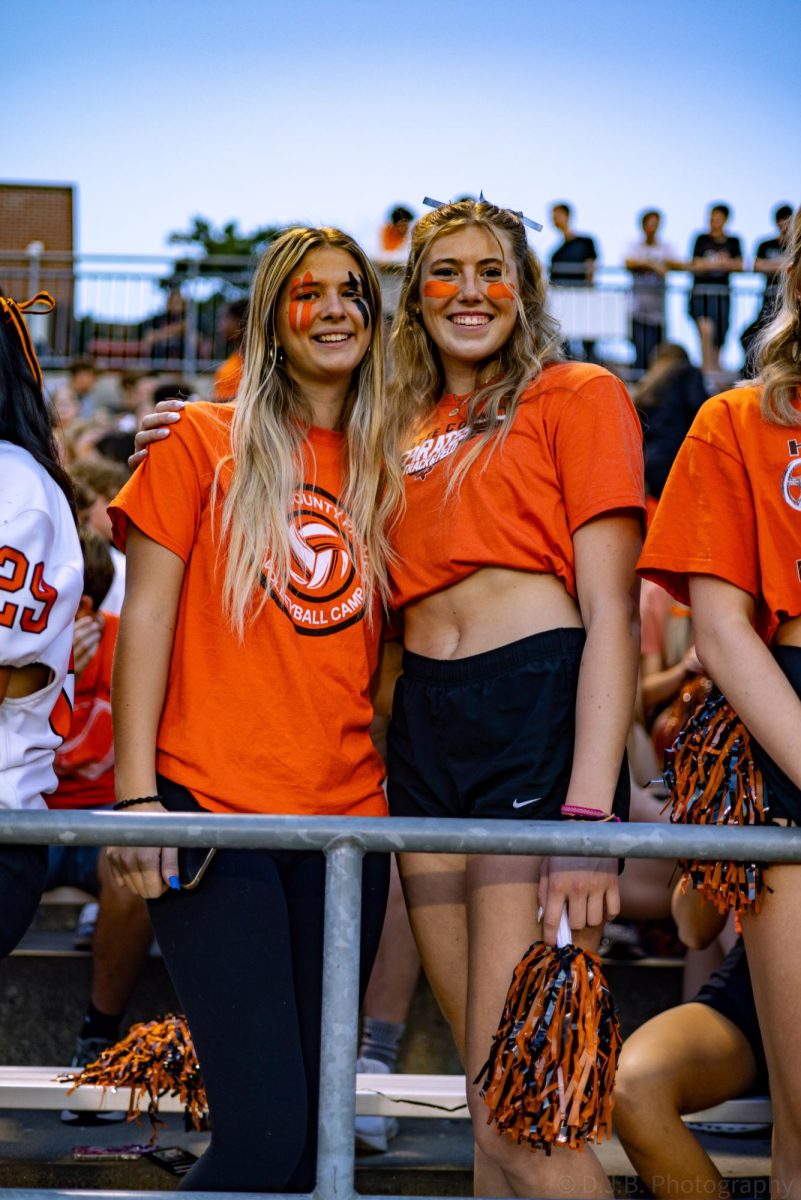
{"x":11,"y":312}
{"x":429,"y":203}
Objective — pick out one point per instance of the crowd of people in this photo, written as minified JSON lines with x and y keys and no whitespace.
{"x":445,"y":532}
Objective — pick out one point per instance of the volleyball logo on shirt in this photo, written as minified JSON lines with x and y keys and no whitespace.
{"x":791,"y":484}
{"x":324,"y":593}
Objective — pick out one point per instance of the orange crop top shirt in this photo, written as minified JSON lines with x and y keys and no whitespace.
{"x":732,"y":508}
{"x":279,"y":723}
{"x":573,"y":452}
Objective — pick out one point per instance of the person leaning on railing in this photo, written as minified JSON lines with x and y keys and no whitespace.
{"x":725,"y":539}
{"x":247,"y":646}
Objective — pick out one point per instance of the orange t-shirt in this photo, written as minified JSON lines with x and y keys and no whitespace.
{"x":278,"y":723}
{"x":732,"y":508}
{"x":392,"y":238}
{"x":85,"y":761}
{"x":228,"y":377}
{"x":574,"y":451}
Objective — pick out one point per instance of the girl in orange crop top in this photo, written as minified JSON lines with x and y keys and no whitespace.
{"x":514,"y":568}
{"x":727,"y":539}
{"x":262,"y":638}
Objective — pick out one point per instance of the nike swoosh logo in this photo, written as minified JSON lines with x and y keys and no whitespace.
{"x":523,"y":803}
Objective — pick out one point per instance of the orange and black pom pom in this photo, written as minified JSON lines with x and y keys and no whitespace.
{"x":549,"y":1079}
{"x":155,"y":1059}
{"x":713,"y":780}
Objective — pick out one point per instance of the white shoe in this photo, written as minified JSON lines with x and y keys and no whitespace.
{"x":85,"y":928}
{"x":374,"y":1133}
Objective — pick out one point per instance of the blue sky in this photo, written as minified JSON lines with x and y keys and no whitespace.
{"x":329,"y":112}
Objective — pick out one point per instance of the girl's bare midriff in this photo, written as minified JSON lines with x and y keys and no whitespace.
{"x":24,"y":681}
{"x":789,"y":634}
{"x":488,"y":609}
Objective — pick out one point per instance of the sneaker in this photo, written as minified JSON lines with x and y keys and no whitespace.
{"x":85,"y":929}
{"x":374,"y":1134}
{"x":621,"y":942}
{"x":86,"y":1051}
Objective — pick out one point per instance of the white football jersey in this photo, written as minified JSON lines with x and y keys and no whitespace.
{"x":41,"y":582}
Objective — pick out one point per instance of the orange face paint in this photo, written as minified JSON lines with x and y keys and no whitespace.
{"x":500,"y":291}
{"x":438,"y":289}
{"x":300,"y":311}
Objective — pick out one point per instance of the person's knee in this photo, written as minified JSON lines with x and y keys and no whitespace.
{"x":643,"y":1088}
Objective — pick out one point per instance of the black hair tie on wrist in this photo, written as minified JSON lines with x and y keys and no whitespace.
{"x":138,"y":800}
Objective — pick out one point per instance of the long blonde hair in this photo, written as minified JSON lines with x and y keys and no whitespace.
{"x":417,"y":379}
{"x":270,"y":424}
{"x":779,"y":344}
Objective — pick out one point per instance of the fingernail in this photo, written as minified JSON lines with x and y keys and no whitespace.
{"x":174,"y":883}
{"x":162,"y":433}
{"x":172,"y":416}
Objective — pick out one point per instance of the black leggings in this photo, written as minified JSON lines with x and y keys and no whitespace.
{"x":244,"y":951}
{"x":23,"y":870}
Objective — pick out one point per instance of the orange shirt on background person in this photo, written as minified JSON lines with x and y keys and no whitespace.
{"x":574,"y":452}
{"x":732,"y":508}
{"x":278,"y":723}
{"x":85,"y":762}
{"x":228,"y":377}
{"x":392,"y":238}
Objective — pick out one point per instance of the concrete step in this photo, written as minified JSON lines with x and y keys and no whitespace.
{"x":428,"y":1158}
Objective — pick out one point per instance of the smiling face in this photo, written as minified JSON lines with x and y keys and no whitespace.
{"x":323,"y":317}
{"x":468,"y":282}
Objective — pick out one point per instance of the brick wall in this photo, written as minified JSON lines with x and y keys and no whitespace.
{"x":40,"y":213}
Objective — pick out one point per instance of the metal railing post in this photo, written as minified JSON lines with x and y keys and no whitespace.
{"x":340,"y":1020}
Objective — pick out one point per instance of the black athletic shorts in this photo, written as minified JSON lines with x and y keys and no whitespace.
{"x":783,"y":797}
{"x":490,"y":735}
{"x":715,"y":305}
{"x":729,"y":992}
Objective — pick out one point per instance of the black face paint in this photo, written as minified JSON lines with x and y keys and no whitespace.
{"x":356,"y":284}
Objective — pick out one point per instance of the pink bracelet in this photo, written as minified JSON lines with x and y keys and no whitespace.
{"x":579,"y":813}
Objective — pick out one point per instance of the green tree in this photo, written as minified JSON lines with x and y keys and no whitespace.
{"x":227,"y":239}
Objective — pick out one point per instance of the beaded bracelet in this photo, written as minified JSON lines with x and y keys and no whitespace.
{"x":138,"y":800}
{"x":578,"y":813}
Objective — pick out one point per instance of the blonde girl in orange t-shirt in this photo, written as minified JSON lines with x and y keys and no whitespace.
{"x":256,"y":538}
{"x":726,"y":539}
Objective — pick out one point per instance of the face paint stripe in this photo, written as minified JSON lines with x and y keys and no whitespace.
{"x":300,"y":311}
{"x":359,"y":285}
{"x":438,"y":289}
{"x":500,"y":291}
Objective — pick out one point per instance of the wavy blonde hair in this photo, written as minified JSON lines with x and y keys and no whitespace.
{"x":778,"y":346}
{"x":417,"y":380}
{"x":271,"y":420}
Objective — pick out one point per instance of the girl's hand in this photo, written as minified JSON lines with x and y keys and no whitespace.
{"x":147,"y":870}
{"x":155,"y":427}
{"x":85,"y":640}
{"x":589,"y":888}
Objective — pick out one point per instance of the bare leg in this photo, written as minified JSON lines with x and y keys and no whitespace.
{"x":397,"y":965}
{"x":434,"y":887}
{"x":773,"y":944}
{"x":683,"y":1060}
{"x":645,"y":883}
{"x":502,"y":908}
{"x":710,"y":353}
{"x":122,"y":938}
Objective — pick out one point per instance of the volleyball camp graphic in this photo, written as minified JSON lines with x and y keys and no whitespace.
{"x":324,"y":593}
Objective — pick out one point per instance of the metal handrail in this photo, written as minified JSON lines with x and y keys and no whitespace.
{"x":344,"y":841}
